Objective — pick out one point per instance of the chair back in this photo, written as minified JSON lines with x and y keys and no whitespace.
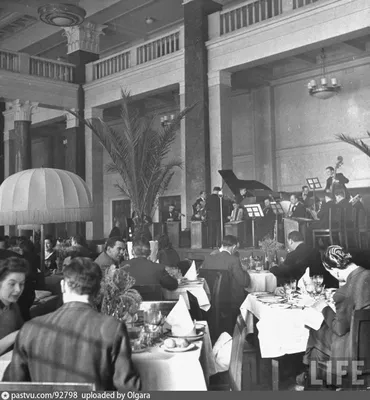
{"x":236,"y":360}
{"x":195,"y":311}
{"x":216,"y":303}
{"x":49,"y":387}
{"x":150,"y":292}
{"x":360,"y":343}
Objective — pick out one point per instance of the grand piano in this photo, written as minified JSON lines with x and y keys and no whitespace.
{"x":256,"y":193}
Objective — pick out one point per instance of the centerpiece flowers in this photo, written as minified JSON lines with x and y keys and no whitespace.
{"x":270,"y":247}
{"x":119,"y":299}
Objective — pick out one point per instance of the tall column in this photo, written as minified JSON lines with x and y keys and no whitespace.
{"x":9,"y":153}
{"x":94,"y":177}
{"x":22,"y":127}
{"x":264,"y":141}
{"x":196,"y":125}
{"x":220,"y":126}
{"x":83,"y":48}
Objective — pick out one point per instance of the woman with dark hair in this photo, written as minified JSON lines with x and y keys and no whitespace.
{"x":167,"y":255}
{"x":50,"y":258}
{"x":332,"y":340}
{"x":13,"y":273}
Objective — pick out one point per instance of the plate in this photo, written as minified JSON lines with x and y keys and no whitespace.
{"x":198,"y":336}
{"x":139,"y":350}
{"x":280,"y":305}
{"x":259,"y":294}
{"x":271,"y":300}
{"x":178,"y":349}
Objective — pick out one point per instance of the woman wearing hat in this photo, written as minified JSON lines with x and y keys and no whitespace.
{"x":332,"y":341}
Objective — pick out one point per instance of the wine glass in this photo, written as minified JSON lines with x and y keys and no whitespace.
{"x":310,"y":287}
{"x":288,"y":290}
{"x":258,"y":266}
{"x":319,"y":279}
{"x":293,"y":285}
{"x":319,"y":288}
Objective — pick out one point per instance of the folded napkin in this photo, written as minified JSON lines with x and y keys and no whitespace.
{"x":153,"y":250}
{"x":192,"y":274}
{"x":129,"y":250}
{"x":305,"y":278}
{"x":180,"y":319}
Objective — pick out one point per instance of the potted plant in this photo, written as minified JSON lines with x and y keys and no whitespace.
{"x":139,"y":155}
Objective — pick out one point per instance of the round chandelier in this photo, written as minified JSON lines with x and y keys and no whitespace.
{"x":323,"y":90}
{"x":62,"y":15}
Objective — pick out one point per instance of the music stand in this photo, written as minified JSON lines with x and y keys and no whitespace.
{"x":313,"y":184}
{"x":277,"y":208}
{"x":254,"y":211}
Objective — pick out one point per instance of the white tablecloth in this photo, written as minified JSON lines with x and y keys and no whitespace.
{"x":280,"y":331}
{"x":201,"y":292}
{"x":160,"y":370}
{"x":263,"y":281}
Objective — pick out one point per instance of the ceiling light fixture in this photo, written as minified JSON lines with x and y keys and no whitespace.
{"x":149,"y":20}
{"x":323,"y":90}
{"x":62,"y":15}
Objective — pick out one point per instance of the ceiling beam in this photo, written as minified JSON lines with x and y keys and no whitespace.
{"x":117,"y":28}
{"x":306,"y":58}
{"x":355,"y":45}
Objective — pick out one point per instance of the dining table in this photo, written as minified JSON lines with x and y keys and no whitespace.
{"x":283,"y":326}
{"x":161,"y":370}
{"x":198,"y":288}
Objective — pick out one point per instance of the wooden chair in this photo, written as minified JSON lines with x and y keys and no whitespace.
{"x":362,"y":226}
{"x":150,"y":292}
{"x":195,"y":311}
{"x":49,"y":387}
{"x":359,"y":351}
{"x":334,"y":229}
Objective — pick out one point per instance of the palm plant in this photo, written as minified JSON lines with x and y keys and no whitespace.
{"x":358,"y":143}
{"x":139,"y":155}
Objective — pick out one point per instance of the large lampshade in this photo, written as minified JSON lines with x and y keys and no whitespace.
{"x":43,"y":196}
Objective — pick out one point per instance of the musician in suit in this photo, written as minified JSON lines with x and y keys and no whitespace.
{"x":306,"y":197}
{"x":265,"y":225}
{"x":237,"y":213}
{"x":340,"y":181}
{"x":214,"y":218}
{"x":171,"y":214}
{"x":296,"y":209}
{"x":75,"y":343}
{"x":201,"y":199}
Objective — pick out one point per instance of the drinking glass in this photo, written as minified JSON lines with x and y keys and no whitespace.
{"x":293,"y":285}
{"x":319,"y":279}
{"x":258,"y":266}
{"x":288,"y":290}
{"x":310,"y":287}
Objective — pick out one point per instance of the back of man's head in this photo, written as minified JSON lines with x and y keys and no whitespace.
{"x":83,"y":276}
{"x":295,"y":236}
{"x":141,"y":247}
{"x":229,"y":241}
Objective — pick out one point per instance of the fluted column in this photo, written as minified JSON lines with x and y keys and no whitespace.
{"x":22,"y":127}
{"x":94,"y":177}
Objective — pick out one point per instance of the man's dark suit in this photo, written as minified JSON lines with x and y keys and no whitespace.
{"x":238,"y":279}
{"x":147,"y":272}
{"x":167,"y":215}
{"x":74,"y":344}
{"x":296,"y":263}
{"x":214,"y":220}
{"x":342,"y":180}
{"x":298,"y":210}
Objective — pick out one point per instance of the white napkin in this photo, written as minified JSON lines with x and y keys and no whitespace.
{"x":192,"y":272}
{"x":153,"y":250}
{"x":129,"y":250}
{"x":180,"y":320}
{"x":305,"y":278}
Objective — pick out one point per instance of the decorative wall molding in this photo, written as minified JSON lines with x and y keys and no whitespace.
{"x":84,"y":37}
{"x":23,"y":109}
{"x":71,"y":120}
{"x":219,"y":78}
{"x":93,"y":112}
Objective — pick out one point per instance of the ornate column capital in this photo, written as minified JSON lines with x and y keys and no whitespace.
{"x":23,"y":109}
{"x":84,"y":37}
{"x":71,"y":120}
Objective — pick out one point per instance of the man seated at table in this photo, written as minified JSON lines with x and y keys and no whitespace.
{"x":239,"y":278}
{"x":75,"y":343}
{"x":146,"y":272}
{"x":113,"y":253}
{"x":297,"y":260}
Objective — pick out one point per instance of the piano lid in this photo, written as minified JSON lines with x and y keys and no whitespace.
{"x":255,"y":188}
